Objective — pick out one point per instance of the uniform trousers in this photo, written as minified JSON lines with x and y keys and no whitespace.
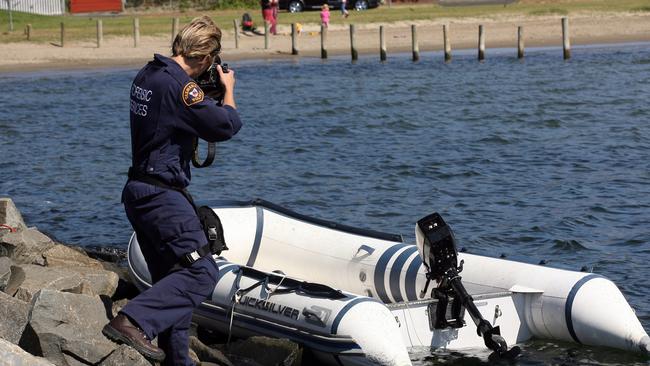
{"x":167,"y":227}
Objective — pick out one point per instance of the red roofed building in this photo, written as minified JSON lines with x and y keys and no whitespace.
{"x":95,"y":6}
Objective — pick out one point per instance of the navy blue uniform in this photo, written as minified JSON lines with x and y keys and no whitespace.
{"x":168,"y":110}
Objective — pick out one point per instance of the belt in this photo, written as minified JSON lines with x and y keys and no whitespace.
{"x":213,"y":231}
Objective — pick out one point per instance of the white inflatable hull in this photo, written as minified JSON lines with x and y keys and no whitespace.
{"x":535,"y":301}
{"x":525,"y":300}
{"x":340,"y":329}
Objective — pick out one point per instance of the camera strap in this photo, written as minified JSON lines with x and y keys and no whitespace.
{"x":212,"y":148}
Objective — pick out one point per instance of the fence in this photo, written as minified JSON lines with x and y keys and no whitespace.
{"x":43,"y":7}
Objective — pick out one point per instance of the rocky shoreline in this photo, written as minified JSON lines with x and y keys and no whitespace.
{"x":55,"y":299}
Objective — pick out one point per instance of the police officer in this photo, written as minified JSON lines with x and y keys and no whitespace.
{"x":168,"y":111}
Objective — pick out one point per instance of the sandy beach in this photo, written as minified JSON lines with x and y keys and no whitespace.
{"x":500,"y":31}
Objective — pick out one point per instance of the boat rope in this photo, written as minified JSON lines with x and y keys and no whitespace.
{"x":270,"y":291}
{"x":11,"y":229}
{"x":232,"y":316}
{"x":235,"y":299}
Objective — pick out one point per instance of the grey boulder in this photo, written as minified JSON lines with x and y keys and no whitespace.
{"x":9,"y":214}
{"x":25,"y":246}
{"x":66,"y":328}
{"x":125,"y":355}
{"x":12,"y":355}
{"x":15,"y":315}
{"x":28,"y":279}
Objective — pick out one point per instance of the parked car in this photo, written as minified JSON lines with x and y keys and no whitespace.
{"x":295,"y":6}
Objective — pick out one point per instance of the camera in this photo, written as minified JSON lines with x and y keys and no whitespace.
{"x":210,"y":82}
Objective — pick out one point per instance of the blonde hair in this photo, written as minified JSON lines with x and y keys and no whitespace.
{"x":325,"y":6}
{"x":201,"y":37}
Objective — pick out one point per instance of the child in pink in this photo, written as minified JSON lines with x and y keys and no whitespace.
{"x":325,"y":15}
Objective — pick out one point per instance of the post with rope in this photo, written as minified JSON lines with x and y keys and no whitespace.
{"x":414,"y":43}
{"x":353,"y":49}
{"x":235,"y":24}
{"x":566,"y":40}
{"x":62,"y":35}
{"x":520,"y":42}
{"x":175,"y":23}
{"x":382,"y":44}
{"x":445,"y":35}
{"x":294,"y":39}
{"x":266,"y":35}
{"x":100,"y":33}
{"x":136,"y":32}
{"x":481,"y":43}
{"x":29,"y":32}
{"x":323,"y":41}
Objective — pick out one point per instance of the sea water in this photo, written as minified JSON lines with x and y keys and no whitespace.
{"x":539,"y":159}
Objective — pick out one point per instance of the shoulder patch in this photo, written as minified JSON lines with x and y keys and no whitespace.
{"x":192,"y":94}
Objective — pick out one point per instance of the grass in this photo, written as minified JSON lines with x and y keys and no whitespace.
{"x":46,"y":28}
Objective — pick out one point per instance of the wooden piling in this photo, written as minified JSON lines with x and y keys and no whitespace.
{"x":566,"y":40}
{"x":136,"y":32}
{"x":266,"y":35}
{"x":323,"y":41}
{"x":62,"y":35}
{"x":100,"y":33}
{"x":481,"y":43}
{"x":520,"y":42}
{"x":175,"y":23}
{"x":294,"y":39}
{"x":382,"y":44}
{"x":445,"y":35}
{"x":414,"y":43}
{"x":353,"y":50}
{"x":29,"y":32}
{"x":235,"y":24}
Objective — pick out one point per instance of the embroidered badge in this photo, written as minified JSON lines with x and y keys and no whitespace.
{"x":192,"y":94}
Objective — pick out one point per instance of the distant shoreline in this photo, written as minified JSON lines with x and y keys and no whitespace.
{"x":539,"y":31}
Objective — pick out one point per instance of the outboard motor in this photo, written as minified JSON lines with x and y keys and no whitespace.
{"x":437,"y":248}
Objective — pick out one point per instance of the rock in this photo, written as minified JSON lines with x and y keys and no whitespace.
{"x":102,"y":282}
{"x":15,"y":315}
{"x":125,"y":287}
{"x":118,"y":305}
{"x":5,"y":271}
{"x":63,"y":256}
{"x":207,"y":354}
{"x":9,"y":215}
{"x":67,"y":328}
{"x":268,"y":351}
{"x":28,"y":279}
{"x":11,"y":354}
{"x":125,"y":355}
{"x":25,"y":246}
{"x":193,"y":357}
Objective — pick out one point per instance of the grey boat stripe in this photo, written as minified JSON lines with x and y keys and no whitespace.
{"x":568,"y":307}
{"x":396,"y":271}
{"x":380,"y":270}
{"x":346,"y":308}
{"x":258,"y":237}
{"x":226,"y":268}
{"x":411,"y":278}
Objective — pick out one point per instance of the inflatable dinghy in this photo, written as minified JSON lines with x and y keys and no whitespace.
{"x":523,"y":300}
{"x":339,"y":328}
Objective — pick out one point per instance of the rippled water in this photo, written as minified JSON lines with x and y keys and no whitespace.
{"x":541,"y":159}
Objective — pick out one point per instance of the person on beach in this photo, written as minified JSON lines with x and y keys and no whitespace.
{"x":325,"y":15}
{"x":344,"y":11}
{"x":267,"y":14}
{"x":275,"y":6}
{"x":168,"y":111}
